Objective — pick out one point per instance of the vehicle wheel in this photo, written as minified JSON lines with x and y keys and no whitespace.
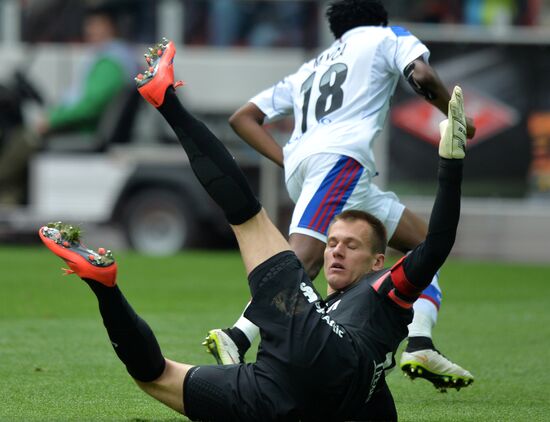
{"x":158,"y":222}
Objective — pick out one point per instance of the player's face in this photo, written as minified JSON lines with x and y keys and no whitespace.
{"x":98,"y":29}
{"x":348,"y":254}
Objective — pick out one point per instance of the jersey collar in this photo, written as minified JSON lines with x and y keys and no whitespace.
{"x":357,"y":30}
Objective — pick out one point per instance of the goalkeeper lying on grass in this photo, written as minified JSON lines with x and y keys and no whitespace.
{"x":318,"y":359}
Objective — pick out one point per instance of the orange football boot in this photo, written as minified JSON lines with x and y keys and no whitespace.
{"x":64,"y":241}
{"x":154,"y":82}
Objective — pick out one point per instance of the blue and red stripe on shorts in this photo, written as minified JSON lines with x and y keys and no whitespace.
{"x":332,"y":194}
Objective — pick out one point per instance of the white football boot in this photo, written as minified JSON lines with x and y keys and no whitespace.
{"x":222,"y":347}
{"x":436,"y":368}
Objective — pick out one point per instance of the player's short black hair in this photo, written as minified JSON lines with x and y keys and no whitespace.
{"x":344,"y":15}
{"x":379,"y":238}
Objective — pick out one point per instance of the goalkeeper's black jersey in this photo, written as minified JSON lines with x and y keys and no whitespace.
{"x":375,"y":322}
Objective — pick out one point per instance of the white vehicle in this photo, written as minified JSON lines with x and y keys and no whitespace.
{"x":143,"y":184}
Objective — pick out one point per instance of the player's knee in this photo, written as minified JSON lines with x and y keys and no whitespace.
{"x":311,"y":262}
{"x":404,"y":244}
{"x":152,"y":384}
{"x":414,"y":239}
{"x":314,"y":272}
{"x":168,"y":387}
{"x":410,"y":232}
{"x":310,"y":252}
{"x":312,"y":267}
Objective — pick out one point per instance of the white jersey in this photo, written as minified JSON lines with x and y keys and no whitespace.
{"x":341,"y":98}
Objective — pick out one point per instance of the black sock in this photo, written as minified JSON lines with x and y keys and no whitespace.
{"x":419,"y":343}
{"x":213,"y":165}
{"x":131,"y":337}
{"x":240,"y":339}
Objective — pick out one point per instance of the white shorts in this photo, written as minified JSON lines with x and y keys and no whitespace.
{"x":324,"y":185}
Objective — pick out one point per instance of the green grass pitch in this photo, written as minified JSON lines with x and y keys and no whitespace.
{"x":56,"y":362}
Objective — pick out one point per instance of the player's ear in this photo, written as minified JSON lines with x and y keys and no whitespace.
{"x":378,"y":263}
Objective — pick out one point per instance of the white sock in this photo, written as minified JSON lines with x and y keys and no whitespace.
{"x":425,"y":317}
{"x":425,"y":314}
{"x":250,"y":330}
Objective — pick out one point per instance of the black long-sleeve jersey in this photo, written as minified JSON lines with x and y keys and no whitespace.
{"x":376,"y":310}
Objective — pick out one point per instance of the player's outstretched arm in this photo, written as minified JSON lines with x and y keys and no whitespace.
{"x":426,"y":82}
{"x":424,"y":261}
{"x":247,"y":122}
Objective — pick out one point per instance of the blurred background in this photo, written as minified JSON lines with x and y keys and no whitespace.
{"x":75,"y":148}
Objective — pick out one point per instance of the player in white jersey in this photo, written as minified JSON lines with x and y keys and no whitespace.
{"x":340,"y":100}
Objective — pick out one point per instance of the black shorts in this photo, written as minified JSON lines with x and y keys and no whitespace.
{"x":230,"y":393}
{"x":307,"y":366}
{"x":235,"y":393}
